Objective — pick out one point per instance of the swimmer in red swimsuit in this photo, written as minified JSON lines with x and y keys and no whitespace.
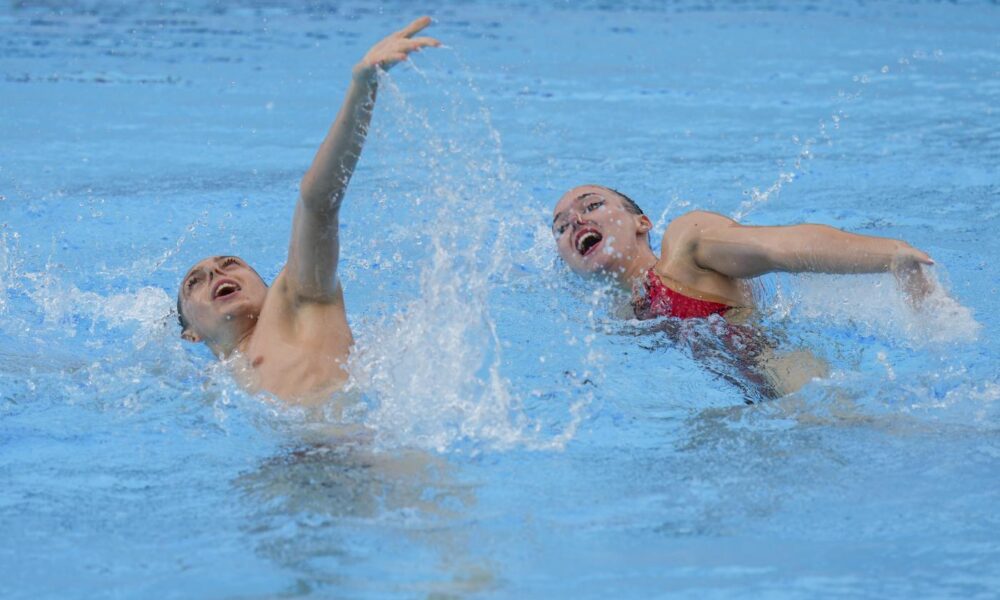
{"x":707,"y":259}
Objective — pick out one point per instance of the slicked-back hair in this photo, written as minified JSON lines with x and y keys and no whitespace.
{"x":630,"y":205}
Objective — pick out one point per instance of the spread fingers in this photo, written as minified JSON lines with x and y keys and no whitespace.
{"x":415,"y":27}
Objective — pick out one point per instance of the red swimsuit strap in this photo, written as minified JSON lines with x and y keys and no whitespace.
{"x":662,"y":301}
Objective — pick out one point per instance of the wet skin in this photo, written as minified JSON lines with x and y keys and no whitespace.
{"x":709,"y":256}
{"x":596,"y":235}
{"x":291,"y":348}
{"x":221,"y":297}
{"x":293,"y":339}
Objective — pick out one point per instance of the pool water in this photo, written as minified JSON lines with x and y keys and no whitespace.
{"x":518,"y":438}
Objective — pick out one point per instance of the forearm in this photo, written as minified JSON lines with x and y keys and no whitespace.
{"x":324,"y":184}
{"x":311,"y":272}
{"x":739,"y":251}
{"x":823,"y":249}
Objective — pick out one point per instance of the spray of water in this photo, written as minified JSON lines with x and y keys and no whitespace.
{"x":432,"y":374}
{"x":885,"y":312}
{"x":757,"y":197}
{"x":8,"y":267}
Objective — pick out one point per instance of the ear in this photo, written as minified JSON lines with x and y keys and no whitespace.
{"x":645,"y":225}
{"x":190,"y":336}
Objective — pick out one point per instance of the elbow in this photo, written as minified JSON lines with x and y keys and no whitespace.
{"x":321,"y":195}
{"x":321,"y":203}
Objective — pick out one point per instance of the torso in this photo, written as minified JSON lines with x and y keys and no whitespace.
{"x":662,"y":297}
{"x":298,"y":352}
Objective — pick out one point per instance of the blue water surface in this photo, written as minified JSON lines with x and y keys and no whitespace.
{"x":518,"y":437}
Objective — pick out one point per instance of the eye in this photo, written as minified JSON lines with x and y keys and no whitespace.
{"x":229,"y":261}
{"x":560,"y":229}
{"x":593,"y":206}
{"x":191,"y":281}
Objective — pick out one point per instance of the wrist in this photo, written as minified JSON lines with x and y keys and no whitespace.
{"x":364,"y":73}
{"x":902,"y":256}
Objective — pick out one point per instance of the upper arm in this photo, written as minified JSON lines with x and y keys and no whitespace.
{"x":714,"y":242}
{"x":746,"y":251}
{"x":738,"y":250}
{"x":313,"y":252}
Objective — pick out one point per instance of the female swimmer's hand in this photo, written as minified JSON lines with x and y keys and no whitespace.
{"x":393,"y":49}
{"x":907,"y":267}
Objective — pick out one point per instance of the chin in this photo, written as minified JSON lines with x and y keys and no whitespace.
{"x":590,"y":269}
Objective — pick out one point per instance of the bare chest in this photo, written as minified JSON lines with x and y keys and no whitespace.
{"x":297,"y":364}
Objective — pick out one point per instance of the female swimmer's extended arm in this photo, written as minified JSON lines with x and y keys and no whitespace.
{"x":742,"y":251}
{"x":313,"y":252}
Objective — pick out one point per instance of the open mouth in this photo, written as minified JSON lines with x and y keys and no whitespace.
{"x":224,"y":289}
{"x":587,"y":240}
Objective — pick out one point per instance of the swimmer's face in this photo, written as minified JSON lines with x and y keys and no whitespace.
{"x":595,"y":233}
{"x":221,"y":298}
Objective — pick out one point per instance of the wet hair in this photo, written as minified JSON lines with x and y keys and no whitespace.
{"x":629,"y":205}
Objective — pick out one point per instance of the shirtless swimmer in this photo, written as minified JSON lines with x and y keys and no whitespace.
{"x":294,"y":336}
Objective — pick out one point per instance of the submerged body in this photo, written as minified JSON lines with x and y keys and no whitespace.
{"x":706,"y":263}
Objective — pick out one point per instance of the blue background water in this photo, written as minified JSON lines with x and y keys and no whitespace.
{"x":525,"y":442}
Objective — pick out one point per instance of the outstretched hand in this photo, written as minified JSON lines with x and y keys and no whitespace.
{"x":907,"y":266}
{"x":394,"y":48}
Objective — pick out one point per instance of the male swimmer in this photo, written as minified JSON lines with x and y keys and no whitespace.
{"x":705,"y":263}
{"x":293,"y":339}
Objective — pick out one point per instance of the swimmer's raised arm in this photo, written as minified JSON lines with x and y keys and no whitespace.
{"x":314,"y":249}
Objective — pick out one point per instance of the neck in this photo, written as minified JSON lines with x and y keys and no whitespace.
{"x":636,"y":268}
{"x":224,"y":349}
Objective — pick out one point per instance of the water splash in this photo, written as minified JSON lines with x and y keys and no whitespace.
{"x":151,"y":264}
{"x":661,"y":223}
{"x":757,"y":197}
{"x":432,"y":374}
{"x":148,"y":309}
{"x":884,"y":311}
{"x":8,"y":266}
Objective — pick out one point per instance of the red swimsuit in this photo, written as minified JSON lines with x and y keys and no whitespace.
{"x":740,"y":343}
{"x":661,"y":301}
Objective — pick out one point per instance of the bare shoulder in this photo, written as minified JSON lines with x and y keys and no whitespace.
{"x":287,"y":311}
{"x":683,"y":232}
{"x":294,"y":334}
{"x":677,"y":257}
{"x":700,"y":219}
